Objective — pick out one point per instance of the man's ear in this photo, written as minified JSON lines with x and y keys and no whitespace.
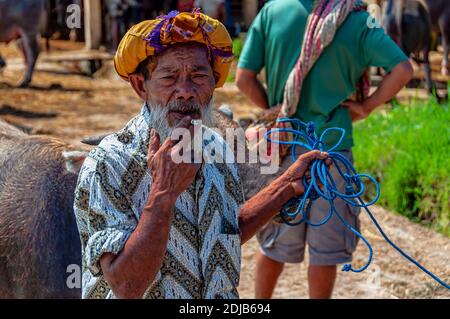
{"x":216,"y":76}
{"x":138,"y":83}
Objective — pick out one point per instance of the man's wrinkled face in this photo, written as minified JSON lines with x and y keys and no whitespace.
{"x":182,"y":82}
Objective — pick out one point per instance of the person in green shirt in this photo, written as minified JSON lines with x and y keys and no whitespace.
{"x":274,"y":43}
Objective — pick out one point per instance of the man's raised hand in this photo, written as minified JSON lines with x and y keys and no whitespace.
{"x":295,"y":173}
{"x":168,"y":177}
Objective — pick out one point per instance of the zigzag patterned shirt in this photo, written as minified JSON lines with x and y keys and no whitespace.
{"x":202,"y":259}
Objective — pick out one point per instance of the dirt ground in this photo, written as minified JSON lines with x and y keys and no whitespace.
{"x":63,"y":103}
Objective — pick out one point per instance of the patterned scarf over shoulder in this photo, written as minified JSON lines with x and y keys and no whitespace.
{"x":325,"y":19}
{"x":323,"y":22}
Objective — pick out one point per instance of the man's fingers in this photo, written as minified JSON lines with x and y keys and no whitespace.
{"x":154,"y":143}
{"x":312,"y":155}
{"x":352,"y":105}
{"x":168,"y":143}
{"x":308,"y":176}
{"x":196,"y":166}
{"x":346,"y":104}
{"x":185,"y":122}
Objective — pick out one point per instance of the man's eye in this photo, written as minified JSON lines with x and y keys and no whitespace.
{"x":169,"y":77}
{"x":200,"y":76}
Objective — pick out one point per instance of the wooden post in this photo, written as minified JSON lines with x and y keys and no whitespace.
{"x":92,"y":23}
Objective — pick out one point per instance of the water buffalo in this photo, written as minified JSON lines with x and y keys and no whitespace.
{"x":440,"y":21}
{"x":411,"y":23}
{"x":23,"y":19}
{"x":38,"y":233}
{"x":408,"y":23}
{"x":27,"y":20}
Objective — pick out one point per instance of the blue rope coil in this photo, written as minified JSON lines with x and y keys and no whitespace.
{"x":323,"y":185}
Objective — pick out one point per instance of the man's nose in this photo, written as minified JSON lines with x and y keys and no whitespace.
{"x":185,"y":91}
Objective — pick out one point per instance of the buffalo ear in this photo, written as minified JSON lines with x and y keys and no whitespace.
{"x":74,"y":160}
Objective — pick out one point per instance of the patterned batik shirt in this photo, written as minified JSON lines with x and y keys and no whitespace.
{"x":202,"y":259}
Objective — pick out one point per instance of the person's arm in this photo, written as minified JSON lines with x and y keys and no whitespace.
{"x":251,"y":62}
{"x":248,"y":83}
{"x":130,"y":272}
{"x":387,"y":90}
{"x":257,"y":211}
{"x":377,"y":49}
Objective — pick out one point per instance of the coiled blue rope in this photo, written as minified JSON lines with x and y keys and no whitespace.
{"x":296,"y":211}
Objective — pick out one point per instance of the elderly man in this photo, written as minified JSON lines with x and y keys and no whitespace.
{"x":154,"y":228}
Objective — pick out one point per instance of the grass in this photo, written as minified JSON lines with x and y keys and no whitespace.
{"x":238,"y":45}
{"x":407,"y":149}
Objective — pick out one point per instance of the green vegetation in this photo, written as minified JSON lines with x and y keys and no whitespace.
{"x":407,"y":149}
{"x":238,"y":45}
{"x":231,"y":76}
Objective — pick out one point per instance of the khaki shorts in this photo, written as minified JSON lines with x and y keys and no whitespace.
{"x":328,"y":244}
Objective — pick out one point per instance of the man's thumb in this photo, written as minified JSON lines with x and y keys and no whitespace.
{"x":154,"y":143}
{"x":307,"y":158}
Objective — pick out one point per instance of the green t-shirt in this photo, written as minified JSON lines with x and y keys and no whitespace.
{"x":274,"y":42}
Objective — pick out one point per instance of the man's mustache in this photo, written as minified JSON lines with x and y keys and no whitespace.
{"x":185,"y":107}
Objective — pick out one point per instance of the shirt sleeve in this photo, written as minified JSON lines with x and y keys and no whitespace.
{"x":252,"y":55}
{"x":378,"y":48}
{"x":104,"y":216}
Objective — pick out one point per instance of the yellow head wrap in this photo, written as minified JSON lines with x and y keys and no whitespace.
{"x":151,"y":37}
